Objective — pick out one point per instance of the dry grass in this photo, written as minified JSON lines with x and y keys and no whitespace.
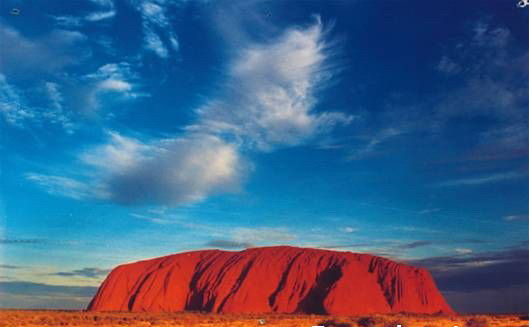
{"x":30,"y":318}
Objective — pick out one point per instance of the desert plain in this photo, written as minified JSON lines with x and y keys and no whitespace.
{"x":51,"y":318}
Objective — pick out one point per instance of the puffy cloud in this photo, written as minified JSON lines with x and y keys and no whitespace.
{"x":119,"y":154}
{"x":115,"y":85}
{"x":109,"y":84}
{"x":184,"y":171}
{"x":176,"y":171}
{"x":117,"y":77}
{"x":170,"y":171}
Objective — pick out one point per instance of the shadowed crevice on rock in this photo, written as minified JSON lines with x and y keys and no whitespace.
{"x":313,"y":302}
{"x":281,"y":285}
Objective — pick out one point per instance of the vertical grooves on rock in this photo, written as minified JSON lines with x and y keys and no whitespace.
{"x":274,"y":279}
{"x":237,"y":284}
{"x":282,"y":280}
{"x":132,"y":299}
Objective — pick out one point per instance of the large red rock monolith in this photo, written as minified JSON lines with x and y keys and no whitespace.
{"x":271,"y":279}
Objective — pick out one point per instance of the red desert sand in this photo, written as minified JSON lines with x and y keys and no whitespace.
{"x":279,"y":279}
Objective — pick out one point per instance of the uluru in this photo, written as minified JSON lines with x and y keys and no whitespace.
{"x":279,"y":279}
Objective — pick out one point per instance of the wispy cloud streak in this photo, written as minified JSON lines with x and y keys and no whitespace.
{"x":269,"y":102}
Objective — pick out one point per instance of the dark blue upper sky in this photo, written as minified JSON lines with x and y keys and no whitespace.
{"x":139,"y":128}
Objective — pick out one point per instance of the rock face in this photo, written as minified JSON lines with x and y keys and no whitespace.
{"x":272,"y":279}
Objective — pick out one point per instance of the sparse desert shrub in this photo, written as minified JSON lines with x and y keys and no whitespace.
{"x":11,"y":318}
{"x":334,"y":323}
{"x":477,"y":322}
{"x":395,"y":323}
{"x":366,"y":322}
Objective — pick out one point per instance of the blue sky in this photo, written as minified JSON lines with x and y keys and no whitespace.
{"x":140,"y":128}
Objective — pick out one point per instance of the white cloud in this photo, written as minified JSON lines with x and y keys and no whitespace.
{"x":110,"y":83}
{"x":447,"y":66}
{"x":486,"y":36}
{"x":154,"y":13}
{"x":488,"y":66}
{"x":523,"y":217}
{"x":114,"y":77}
{"x":59,"y":185}
{"x":115,"y":85}
{"x":55,"y":95}
{"x":481,"y":180}
{"x":157,"y":33}
{"x":370,"y":148}
{"x":491,"y":85}
{"x":153,"y":219}
{"x":11,"y":104}
{"x":155,"y":44}
{"x":349,"y":229}
{"x":174,"y":171}
{"x":58,"y":102}
{"x":119,"y":154}
{"x":262,"y":235}
{"x":19,"y":112}
{"x":269,"y":102}
{"x":503,"y":142}
{"x":56,"y":113}
{"x":57,"y":98}
{"x":171,"y":171}
{"x":105,"y":10}
{"x":463,"y":251}
{"x":174,"y":42}
{"x":100,"y":15}
{"x":271,"y":93}
{"x":46,"y":55}
{"x":104,"y":3}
